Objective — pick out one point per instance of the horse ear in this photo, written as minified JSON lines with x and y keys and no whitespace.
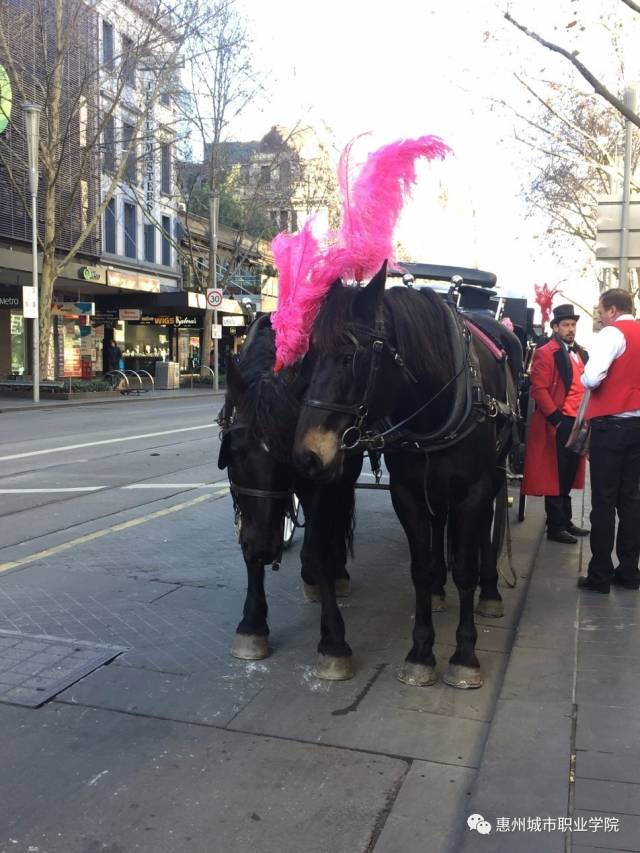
{"x":370,"y":297}
{"x":235,"y":383}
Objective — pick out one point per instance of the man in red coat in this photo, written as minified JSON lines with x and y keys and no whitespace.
{"x":613,"y":375}
{"x":549,"y":468}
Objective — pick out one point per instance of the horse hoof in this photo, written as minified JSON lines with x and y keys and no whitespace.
{"x":333,"y":669}
{"x":491,"y":608}
{"x":343,"y":587}
{"x":250,"y":647}
{"x":438,"y":604}
{"x":417,"y":674}
{"x":311,"y":592}
{"x":463,"y":677}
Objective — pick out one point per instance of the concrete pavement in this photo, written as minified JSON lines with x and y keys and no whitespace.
{"x":176,"y":746}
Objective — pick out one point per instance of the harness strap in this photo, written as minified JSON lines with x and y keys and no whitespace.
{"x":259,"y":493}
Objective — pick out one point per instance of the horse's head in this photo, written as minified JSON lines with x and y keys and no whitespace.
{"x":349,"y":387}
{"x":260,"y":481}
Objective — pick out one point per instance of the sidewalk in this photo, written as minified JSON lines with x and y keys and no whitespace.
{"x":20,"y":404}
{"x":176,"y":746}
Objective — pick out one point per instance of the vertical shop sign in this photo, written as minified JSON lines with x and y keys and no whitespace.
{"x":149,"y":159}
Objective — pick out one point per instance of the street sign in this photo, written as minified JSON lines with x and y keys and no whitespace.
{"x":233,"y":320}
{"x":214,"y":297}
{"x":216,"y":332}
{"x":609,"y":227}
{"x":29,"y":303}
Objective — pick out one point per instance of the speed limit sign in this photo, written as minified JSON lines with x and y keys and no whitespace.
{"x":214,"y":297}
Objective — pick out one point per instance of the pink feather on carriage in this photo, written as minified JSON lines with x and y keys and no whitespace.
{"x":371,"y":208}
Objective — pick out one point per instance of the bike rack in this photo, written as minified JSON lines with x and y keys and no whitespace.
{"x":121,"y":373}
{"x":137,"y":390}
{"x":153,"y":384}
{"x":213,"y":376}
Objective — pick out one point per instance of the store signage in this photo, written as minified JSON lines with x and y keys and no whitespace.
{"x":30,"y":303}
{"x":129,"y":314}
{"x":72,"y":309}
{"x":133,"y":281}
{"x":233,"y":321}
{"x":149,"y":156}
{"x":187,"y":322}
{"x":10,"y":297}
{"x":6,"y":96}
{"x":165,"y":320}
{"x":216,"y":332}
{"x":89,"y":274}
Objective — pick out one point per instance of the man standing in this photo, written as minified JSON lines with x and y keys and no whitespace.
{"x":549,"y":468}
{"x":613,"y":375}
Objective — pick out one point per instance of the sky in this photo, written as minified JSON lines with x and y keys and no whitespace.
{"x":409,"y":68}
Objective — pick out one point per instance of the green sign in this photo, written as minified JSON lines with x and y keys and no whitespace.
{"x":89,"y":274}
{"x":5,"y":98}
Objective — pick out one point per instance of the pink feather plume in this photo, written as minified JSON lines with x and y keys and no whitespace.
{"x":370,"y":211}
{"x":544,"y":300}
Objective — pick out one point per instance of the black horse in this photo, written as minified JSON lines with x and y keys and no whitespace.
{"x":258,"y":423}
{"x":397,"y":370}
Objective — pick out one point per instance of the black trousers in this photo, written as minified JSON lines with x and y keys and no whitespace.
{"x":558,"y":507}
{"x":614,"y":462}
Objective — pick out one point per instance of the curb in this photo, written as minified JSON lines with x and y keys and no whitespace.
{"x":63,"y":404}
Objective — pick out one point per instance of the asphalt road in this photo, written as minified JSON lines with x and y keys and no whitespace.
{"x":61,"y":468}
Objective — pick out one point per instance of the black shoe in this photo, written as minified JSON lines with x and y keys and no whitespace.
{"x":563,"y":537}
{"x":587,"y":583}
{"x":619,"y":579}
{"x":576,"y":531}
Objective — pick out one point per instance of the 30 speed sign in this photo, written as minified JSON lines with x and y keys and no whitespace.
{"x":214,"y":298}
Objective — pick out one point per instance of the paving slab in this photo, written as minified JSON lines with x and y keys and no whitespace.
{"x":626,"y":838}
{"x":425,"y":816}
{"x":171,"y":787}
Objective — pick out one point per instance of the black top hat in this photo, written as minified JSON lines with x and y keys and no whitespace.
{"x":564,"y":312}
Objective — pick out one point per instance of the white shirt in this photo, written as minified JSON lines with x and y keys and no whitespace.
{"x":609,"y":344}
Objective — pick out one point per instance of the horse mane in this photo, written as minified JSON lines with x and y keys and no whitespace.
{"x":270,"y":403}
{"x":417,"y":320}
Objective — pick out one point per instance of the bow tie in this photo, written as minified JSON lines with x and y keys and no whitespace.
{"x":572,"y":348}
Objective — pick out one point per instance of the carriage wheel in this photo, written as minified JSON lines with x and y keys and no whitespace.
{"x":289,"y":524}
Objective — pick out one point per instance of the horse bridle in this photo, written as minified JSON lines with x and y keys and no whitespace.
{"x":353,"y":435}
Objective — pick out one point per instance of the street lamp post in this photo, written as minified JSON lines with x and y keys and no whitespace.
{"x":629,"y":101}
{"x":214,"y":201}
{"x":32,"y":133}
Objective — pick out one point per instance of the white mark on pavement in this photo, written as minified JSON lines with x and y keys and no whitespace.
{"x":105,"y":441}
{"x":45,"y":491}
{"x":99,"y":776}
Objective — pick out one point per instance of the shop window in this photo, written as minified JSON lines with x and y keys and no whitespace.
{"x":110,"y":227}
{"x":18,"y":332}
{"x":166,"y":242}
{"x":130,"y":242}
{"x":165,"y":168}
{"x":129,"y":151}
{"x":107,"y":44}
{"x":150,"y":242}
{"x":109,"y":156}
{"x":128,"y":62}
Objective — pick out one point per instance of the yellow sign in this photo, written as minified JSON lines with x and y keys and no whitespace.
{"x":6,"y":97}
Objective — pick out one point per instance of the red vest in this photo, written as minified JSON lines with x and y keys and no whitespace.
{"x":576,"y":391}
{"x":619,"y":391}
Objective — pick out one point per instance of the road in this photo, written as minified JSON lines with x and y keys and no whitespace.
{"x":61,"y":468}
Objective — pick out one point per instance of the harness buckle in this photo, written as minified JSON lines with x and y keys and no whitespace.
{"x":377,"y":346}
{"x":348,"y":443}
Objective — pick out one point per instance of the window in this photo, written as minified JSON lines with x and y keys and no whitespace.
{"x":294,"y":220}
{"x":149,"y":242}
{"x":109,"y":158}
{"x":285,"y":172}
{"x":265,"y":175}
{"x":166,"y":245}
{"x":165,"y":168}
{"x":284,"y":220}
{"x":245,"y":174}
{"x":128,"y":62}
{"x":165,"y":99}
{"x":130,"y":242}
{"x":110,"y":227}
{"x":129,"y":151}
{"x":107,"y":44}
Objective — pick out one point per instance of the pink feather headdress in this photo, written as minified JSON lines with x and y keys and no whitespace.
{"x":544,"y":300}
{"x":370,"y":211}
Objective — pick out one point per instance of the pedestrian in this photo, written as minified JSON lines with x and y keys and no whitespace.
{"x":550,"y":469}
{"x":613,"y":375}
{"x":114,"y":354}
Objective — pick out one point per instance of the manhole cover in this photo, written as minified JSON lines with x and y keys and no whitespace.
{"x":33,"y":667}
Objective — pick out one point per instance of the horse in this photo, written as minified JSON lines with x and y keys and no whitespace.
{"x":258,"y":422}
{"x":397,"y":370}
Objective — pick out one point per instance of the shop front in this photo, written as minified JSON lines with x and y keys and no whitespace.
{"x":77,"y":347}
{"x":15,"y":334}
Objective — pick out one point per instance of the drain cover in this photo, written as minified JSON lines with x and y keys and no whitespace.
{"x":34,"y":668}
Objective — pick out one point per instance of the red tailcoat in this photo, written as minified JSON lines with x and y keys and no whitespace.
{"x":541,"y":458}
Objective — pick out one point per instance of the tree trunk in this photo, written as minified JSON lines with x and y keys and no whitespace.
{"x":207,"y":343}
{"x":47,"y":280}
